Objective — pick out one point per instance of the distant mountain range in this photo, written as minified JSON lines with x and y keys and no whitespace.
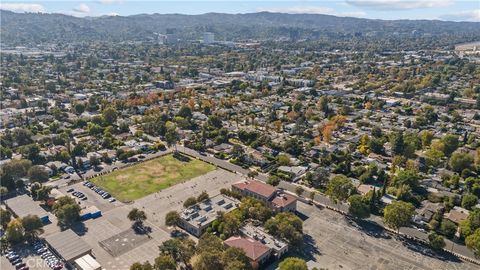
{"x":34,"y":28}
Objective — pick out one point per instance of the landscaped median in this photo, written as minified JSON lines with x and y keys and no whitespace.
{"x":148,"y":177}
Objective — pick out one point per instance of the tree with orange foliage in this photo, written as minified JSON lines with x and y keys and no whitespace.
{"x":327,"y":131}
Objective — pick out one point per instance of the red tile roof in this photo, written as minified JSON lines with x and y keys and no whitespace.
{"x":262,"y":189}
{"x":253,"y":249}
{"x":283,"y":200}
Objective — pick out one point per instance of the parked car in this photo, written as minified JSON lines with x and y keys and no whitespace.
{"x":41,"y":250}
{"x":20,"y":265}
{"x":112,"y":200}
{"x":13,"y":257}
{"x":70,"y":190}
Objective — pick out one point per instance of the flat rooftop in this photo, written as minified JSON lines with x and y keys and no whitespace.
{"x":23,"y":206}
{"x":206,"y":211}
{"x":68,"y":245}
{"x":258,"y":233}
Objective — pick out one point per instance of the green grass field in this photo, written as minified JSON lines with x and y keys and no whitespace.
{"x":139,"y":180}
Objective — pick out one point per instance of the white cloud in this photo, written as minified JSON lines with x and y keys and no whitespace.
{"x":399,"y":4}
{"x":112,"y":14}
{"x":83,"y":8}
{"x":108,"y":2}
{"x":22,"y":7}
{"x":314,"y":10}
{"x":467,"y":15}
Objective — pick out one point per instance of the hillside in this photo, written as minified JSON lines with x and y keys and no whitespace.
{"x":34,"y":28}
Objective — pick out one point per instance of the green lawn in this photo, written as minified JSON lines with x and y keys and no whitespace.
{"x":139,"y":180}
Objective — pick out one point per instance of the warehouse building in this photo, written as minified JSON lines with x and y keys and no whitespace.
{"x":68,"y":246}
{"x":23,"y":205}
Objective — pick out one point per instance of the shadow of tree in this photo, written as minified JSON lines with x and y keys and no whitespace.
{"x":369,"y":228}
{"x":427,"y":251}
{"x":79,"y":228}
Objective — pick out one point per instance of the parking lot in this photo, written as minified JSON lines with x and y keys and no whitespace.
{"x":334,"y":242}
{"x":34,"y":258}
{"x":93,"y":198}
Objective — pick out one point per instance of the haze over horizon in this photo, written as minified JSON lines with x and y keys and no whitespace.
{"x":446,"y":10}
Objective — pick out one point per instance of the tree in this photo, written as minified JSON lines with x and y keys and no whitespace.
{"x":293,"y":146}
{"x":13,"y":171}
{"x":287,"y":226}
{"x":235,"y":259}
{"x":299,"y":190}
{"x":273,"y":180}
{"x":173,"y":219}
{"x":185,"y":112}
{"x":450,"y":143}
{"x":165,"y":262}
{"x":94,"y":161}
{"x":137,"y":216}
{"x":231,"y":224}
{"x":203,"y":196}
{"x":436,"y":241}
{"x":67,"y":210}
{"x":139,"y":266}
{"x":43,"y":193}
{"x":22,"y":136}
{"x":406,"y":177}
{"x":340,"y":188}
{"x":181,"y":249}
{"x":189,"y":202}
{"x":293,"y":263}
{"x":323,"y":104}
{"x":472,"y":223}
{"x":468,"y":201}
{"x":397,"y":143}
{"x":109,"y":115}
{"x":318,"y":178}
{"x":32,"y":225}
{"x":448,"y":228}
{"x":460,"y":161}
{"x":283,"y":160}
{"x":209,"y":253}
{"x":358,"y":208}
{"x":5,"y":218}
{"x":398,"y":214}
{"x":171,"y":136}
{"x":473,"y":242}
{"x":15,"y":231}
{"x":209,"y":242}
{"x":37,"y":174}
{"x":79,"y":108}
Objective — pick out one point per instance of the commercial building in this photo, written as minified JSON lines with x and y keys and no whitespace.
{"x":23,"y":205}
{"x":68,"y":246}
{"x":271,"y":196}
{"x":259,"y":246}
{"x":196,"y":218}
{"x":208,"y":38}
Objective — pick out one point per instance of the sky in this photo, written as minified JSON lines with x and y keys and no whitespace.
{"x":451,"y":10}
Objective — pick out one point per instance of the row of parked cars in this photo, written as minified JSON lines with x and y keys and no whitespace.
{"x":78,"y":194}
{"x":100,"y":191}
{"x":51,"y":260}
{"x":16,"y":260}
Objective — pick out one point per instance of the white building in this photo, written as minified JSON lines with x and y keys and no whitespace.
{"x":208,"y":38}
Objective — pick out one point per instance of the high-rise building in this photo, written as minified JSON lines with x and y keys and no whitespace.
{"x":208,"y":38}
